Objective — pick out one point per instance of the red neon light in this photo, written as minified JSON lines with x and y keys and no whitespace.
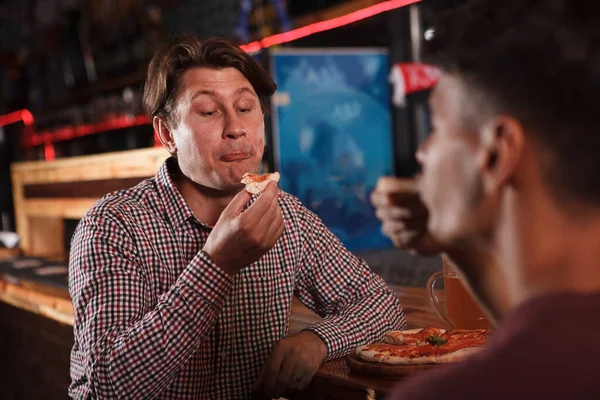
{"x":49,"y":153}
{"x":322,"y":26}
{"x":68,"y":133}
{"x":16,"y":116}
{"x":251,"y":47}
{"x":62,"y":134}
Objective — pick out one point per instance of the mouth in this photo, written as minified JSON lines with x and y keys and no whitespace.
{"x":231,"y":157}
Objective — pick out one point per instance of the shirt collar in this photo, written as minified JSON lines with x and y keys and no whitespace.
{"x":175,"y":206}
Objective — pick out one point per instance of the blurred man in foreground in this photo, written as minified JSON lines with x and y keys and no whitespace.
{"x":512,"y":193}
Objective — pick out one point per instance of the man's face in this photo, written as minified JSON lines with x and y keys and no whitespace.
{"x":451,"y":182}
{"x":221,"y":128}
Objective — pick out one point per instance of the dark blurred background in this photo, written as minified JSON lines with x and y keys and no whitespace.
{"x":75,"y":63}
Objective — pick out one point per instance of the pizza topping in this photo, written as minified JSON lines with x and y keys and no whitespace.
{"x":436,"y":340}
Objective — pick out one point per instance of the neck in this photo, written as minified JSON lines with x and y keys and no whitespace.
{"x":207,"y":204}
{"x":548,"y":247}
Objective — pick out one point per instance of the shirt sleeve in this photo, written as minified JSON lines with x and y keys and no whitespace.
{"x":357,"y":305}
{"x":127,"y":346}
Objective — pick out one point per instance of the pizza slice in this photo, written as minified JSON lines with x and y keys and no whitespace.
{"x":256,"y":183}
{"x":475,"y":337}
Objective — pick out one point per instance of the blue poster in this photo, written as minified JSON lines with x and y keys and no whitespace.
{"x":332,"y":136}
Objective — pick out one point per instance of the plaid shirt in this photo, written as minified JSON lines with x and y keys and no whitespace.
{"x":155,"y":318}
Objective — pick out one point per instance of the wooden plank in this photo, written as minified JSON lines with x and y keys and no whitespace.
{"x":48,"y":305}
{"x":8,"y":253}
{"x":45,"y":237}
{"x":91,"y":189}
{"x":59,"y":208}
{"x":126,"y":164}
{"x":48,"y":237}
{"x":22,"y":222}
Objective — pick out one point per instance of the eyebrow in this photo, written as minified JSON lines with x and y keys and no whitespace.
{"x":212,"y":93}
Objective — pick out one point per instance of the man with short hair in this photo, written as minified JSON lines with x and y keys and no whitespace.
{"x":182,"y":285}
{"x":511,"y":185}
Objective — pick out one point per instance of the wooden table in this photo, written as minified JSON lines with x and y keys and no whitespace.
{"x":334,"y":379}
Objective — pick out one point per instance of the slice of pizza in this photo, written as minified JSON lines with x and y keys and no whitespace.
{"x":256,"y":183}
{"x":475,"y":337}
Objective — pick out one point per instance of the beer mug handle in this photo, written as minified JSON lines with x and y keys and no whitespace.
{"x":433,"y":299}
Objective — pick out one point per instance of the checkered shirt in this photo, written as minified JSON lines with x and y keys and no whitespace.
{"x":156,"y":318}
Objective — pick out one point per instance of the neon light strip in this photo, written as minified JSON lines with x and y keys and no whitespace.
{"x":322,"y":26}
{"x":49,"y":153}
{"x":16,"y":116}
{"x":37,"y":139}
{"x":67,"y":133}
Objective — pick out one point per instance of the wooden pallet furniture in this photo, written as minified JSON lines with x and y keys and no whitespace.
{"x":46,"y":193}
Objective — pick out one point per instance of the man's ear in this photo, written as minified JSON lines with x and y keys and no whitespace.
{"x":502,"y":145}
{"x":164,"y":134}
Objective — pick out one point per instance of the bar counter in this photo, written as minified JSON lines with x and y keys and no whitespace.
{"x":334,"y":379}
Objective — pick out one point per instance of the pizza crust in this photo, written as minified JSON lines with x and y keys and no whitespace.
{"x":372,"y":354}
{"x":457,"y":355}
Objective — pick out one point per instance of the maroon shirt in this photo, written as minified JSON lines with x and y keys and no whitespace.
{"x":548,"y":348}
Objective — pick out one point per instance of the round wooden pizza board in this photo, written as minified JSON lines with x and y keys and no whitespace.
{"x":363,"y":367}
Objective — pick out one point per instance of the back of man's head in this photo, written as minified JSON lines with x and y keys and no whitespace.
{"x":539,"y":61}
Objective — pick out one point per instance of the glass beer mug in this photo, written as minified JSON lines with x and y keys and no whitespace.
{"x":461,"y":311}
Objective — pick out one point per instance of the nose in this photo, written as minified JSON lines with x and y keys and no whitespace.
{"x":234,"y":129}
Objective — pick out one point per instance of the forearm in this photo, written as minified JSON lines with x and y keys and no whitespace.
{"x":362,"y":321}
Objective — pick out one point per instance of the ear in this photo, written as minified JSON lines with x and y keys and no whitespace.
{"x":502,"y":145}
{"x":164,"y":134}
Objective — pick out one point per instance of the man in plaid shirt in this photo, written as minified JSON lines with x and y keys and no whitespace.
{"x":182,"y":285}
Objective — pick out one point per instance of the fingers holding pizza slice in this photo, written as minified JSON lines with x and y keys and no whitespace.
{"x":256,"y":183}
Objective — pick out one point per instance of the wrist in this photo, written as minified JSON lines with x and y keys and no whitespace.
{"x":213,"y":256}
{"x":319,"y":343}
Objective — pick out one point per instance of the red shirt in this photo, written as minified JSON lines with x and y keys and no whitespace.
{"x":546,"y":349}
{"x":155,"y":318}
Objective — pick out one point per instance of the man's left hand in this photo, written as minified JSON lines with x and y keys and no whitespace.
{"x":291,"y":365}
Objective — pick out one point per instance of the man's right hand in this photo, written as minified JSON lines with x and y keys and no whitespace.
{"x":240,"y":238}
{"x":403,"y":214}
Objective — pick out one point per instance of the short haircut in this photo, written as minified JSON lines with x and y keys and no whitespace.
{"x":182,"y":53}
{"x":539,"y":61}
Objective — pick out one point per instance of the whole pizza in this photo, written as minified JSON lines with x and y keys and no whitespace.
{"x":424,"y":346}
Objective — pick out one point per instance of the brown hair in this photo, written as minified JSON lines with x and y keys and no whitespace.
{"x":184,"y":52}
